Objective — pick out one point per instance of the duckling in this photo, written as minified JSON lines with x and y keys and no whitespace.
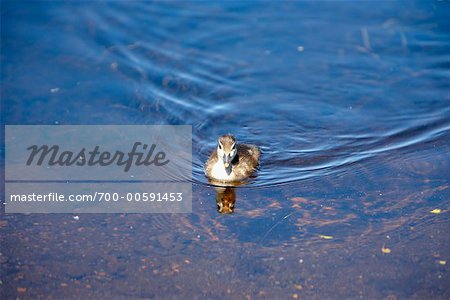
{"x":230,"y":161}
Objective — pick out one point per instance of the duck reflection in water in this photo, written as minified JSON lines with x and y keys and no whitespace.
{"x":226,"y":195}
{"x":225,"y":199}
{"x":228,"y":166}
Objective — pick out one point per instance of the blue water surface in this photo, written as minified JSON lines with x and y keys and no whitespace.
{"x":349,"y":102}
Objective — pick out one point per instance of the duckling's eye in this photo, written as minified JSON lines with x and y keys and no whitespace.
{"x":220,"y":146}
{"x":218,"y":207}
{"x":233,"y":147}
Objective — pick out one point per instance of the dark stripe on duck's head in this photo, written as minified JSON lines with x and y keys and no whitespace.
{"x":227,"y":142}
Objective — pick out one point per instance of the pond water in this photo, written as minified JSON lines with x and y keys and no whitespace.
{"x":349,"y":102}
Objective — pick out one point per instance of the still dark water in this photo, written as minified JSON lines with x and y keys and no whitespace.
{"x":349,"y":101}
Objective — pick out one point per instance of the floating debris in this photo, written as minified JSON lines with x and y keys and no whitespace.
{"x":76,"y":218}
{"x":436,"y":211}
{"x":326,"y":237}
{"x":175,"y":268}
{"x":442,"y":262}
{"x":385,"y":250}
{"x":300,"y":48}
{"x":114,"y":66}
{"x":54,"y":90}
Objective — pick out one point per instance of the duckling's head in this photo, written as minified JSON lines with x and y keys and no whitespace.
{"x":226,"y":151}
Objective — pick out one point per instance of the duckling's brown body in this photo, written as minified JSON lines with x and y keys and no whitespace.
{"x":231,"y":161}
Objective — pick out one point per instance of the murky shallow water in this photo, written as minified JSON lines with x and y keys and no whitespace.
{"x":349,"y":103}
